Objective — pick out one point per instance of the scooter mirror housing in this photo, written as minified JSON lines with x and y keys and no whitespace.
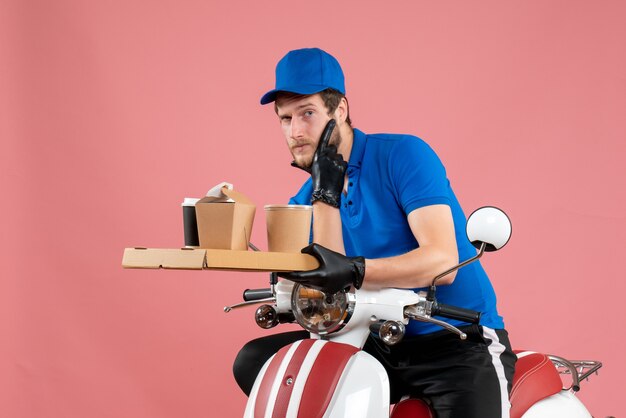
{"x":489,"y":225}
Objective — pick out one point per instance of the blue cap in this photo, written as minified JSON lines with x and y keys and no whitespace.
{"x":306,"y":71}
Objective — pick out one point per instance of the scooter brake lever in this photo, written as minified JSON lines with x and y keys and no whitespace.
{"x":413,"y":312}
{"x":250,"y":302}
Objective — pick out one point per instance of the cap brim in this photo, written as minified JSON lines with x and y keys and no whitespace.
{"x":270,"y":96}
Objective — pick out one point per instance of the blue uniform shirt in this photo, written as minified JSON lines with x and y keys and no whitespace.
{"x":389,"y":176}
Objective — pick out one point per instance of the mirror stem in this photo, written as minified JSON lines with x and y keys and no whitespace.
{"x":431,"y":292}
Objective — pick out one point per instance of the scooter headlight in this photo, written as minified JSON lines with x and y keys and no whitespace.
{"x":318,"y":312}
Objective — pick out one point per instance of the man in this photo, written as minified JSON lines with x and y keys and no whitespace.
{"x":386,"y":218}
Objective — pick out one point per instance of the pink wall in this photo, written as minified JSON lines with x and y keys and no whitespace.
{"x":112,"y":112}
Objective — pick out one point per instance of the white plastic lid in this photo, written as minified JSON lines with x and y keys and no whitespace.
{"x":189,"y":201}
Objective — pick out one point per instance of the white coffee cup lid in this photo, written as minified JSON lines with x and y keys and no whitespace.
{"x":189,"y":201}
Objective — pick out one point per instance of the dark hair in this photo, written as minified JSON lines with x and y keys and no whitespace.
{"x":331,"y":98}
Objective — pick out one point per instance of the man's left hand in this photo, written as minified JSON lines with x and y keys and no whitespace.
{"x":328,"y":170}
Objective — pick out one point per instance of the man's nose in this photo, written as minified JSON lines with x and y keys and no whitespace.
{"x":296,"y":128}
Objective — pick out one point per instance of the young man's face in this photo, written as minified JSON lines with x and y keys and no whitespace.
{"x":302,"y":120}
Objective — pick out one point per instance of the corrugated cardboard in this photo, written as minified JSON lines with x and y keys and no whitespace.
{"x":200,"y":258}
{"x":154,"y":258}
{"x":225,"y":222}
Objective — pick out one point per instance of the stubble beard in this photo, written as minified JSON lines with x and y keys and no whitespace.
{"x":335,"y":140}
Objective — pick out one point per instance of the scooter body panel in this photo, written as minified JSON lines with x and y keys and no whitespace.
{"x":363,"y":390}
{"x":320,"y":379}
{"x":562,"y":404}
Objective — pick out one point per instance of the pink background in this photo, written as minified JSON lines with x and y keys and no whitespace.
{"x":112,"y":112}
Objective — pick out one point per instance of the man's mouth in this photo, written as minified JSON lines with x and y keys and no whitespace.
{"x":299,"y":149}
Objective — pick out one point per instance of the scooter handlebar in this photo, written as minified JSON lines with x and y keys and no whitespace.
{"x":452,"y":312}
{"x":257,"y":294}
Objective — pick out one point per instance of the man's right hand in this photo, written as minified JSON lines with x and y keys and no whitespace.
{"x":335,"y":272}
{"x":328,"y":170}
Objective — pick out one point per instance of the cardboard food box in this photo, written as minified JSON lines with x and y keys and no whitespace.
{"x":225,"y":221}
{"x":211,"y":259}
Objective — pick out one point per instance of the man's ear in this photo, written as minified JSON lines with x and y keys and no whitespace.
{"x":341,"y":113}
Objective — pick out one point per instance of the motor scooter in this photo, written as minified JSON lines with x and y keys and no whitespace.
{"x":329,"y":376}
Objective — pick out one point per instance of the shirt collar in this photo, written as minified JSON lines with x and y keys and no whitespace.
{"x":358,"y":148}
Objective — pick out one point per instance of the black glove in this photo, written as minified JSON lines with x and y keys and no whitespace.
{"x":328,"y":170}
{"x":336,"y":271}
{"x":295,"y":164}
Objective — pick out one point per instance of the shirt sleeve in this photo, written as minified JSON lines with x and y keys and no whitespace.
{"x":303,"y":197}
{"x":418,"y":175}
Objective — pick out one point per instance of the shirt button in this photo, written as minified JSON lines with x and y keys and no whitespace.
{"x":350,"y":202}
{"x":350,"y":184}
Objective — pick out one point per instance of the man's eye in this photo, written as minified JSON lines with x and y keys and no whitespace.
{"x":308,"y":113}
{"x":285,"y":119}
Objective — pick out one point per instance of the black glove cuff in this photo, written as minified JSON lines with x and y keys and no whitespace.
{"x":307,"y":169}
{"x":359,"y":273}
{"x":327,"y":197}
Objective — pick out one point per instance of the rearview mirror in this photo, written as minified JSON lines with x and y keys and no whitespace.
{"x":489,"y":225}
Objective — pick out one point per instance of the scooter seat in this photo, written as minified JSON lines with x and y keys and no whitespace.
{"x":535,"y":378}
{"x":412,"y":408}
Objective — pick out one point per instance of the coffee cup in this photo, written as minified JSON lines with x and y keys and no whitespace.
{"x":288,"y":227}
{"x":190,"y":224}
